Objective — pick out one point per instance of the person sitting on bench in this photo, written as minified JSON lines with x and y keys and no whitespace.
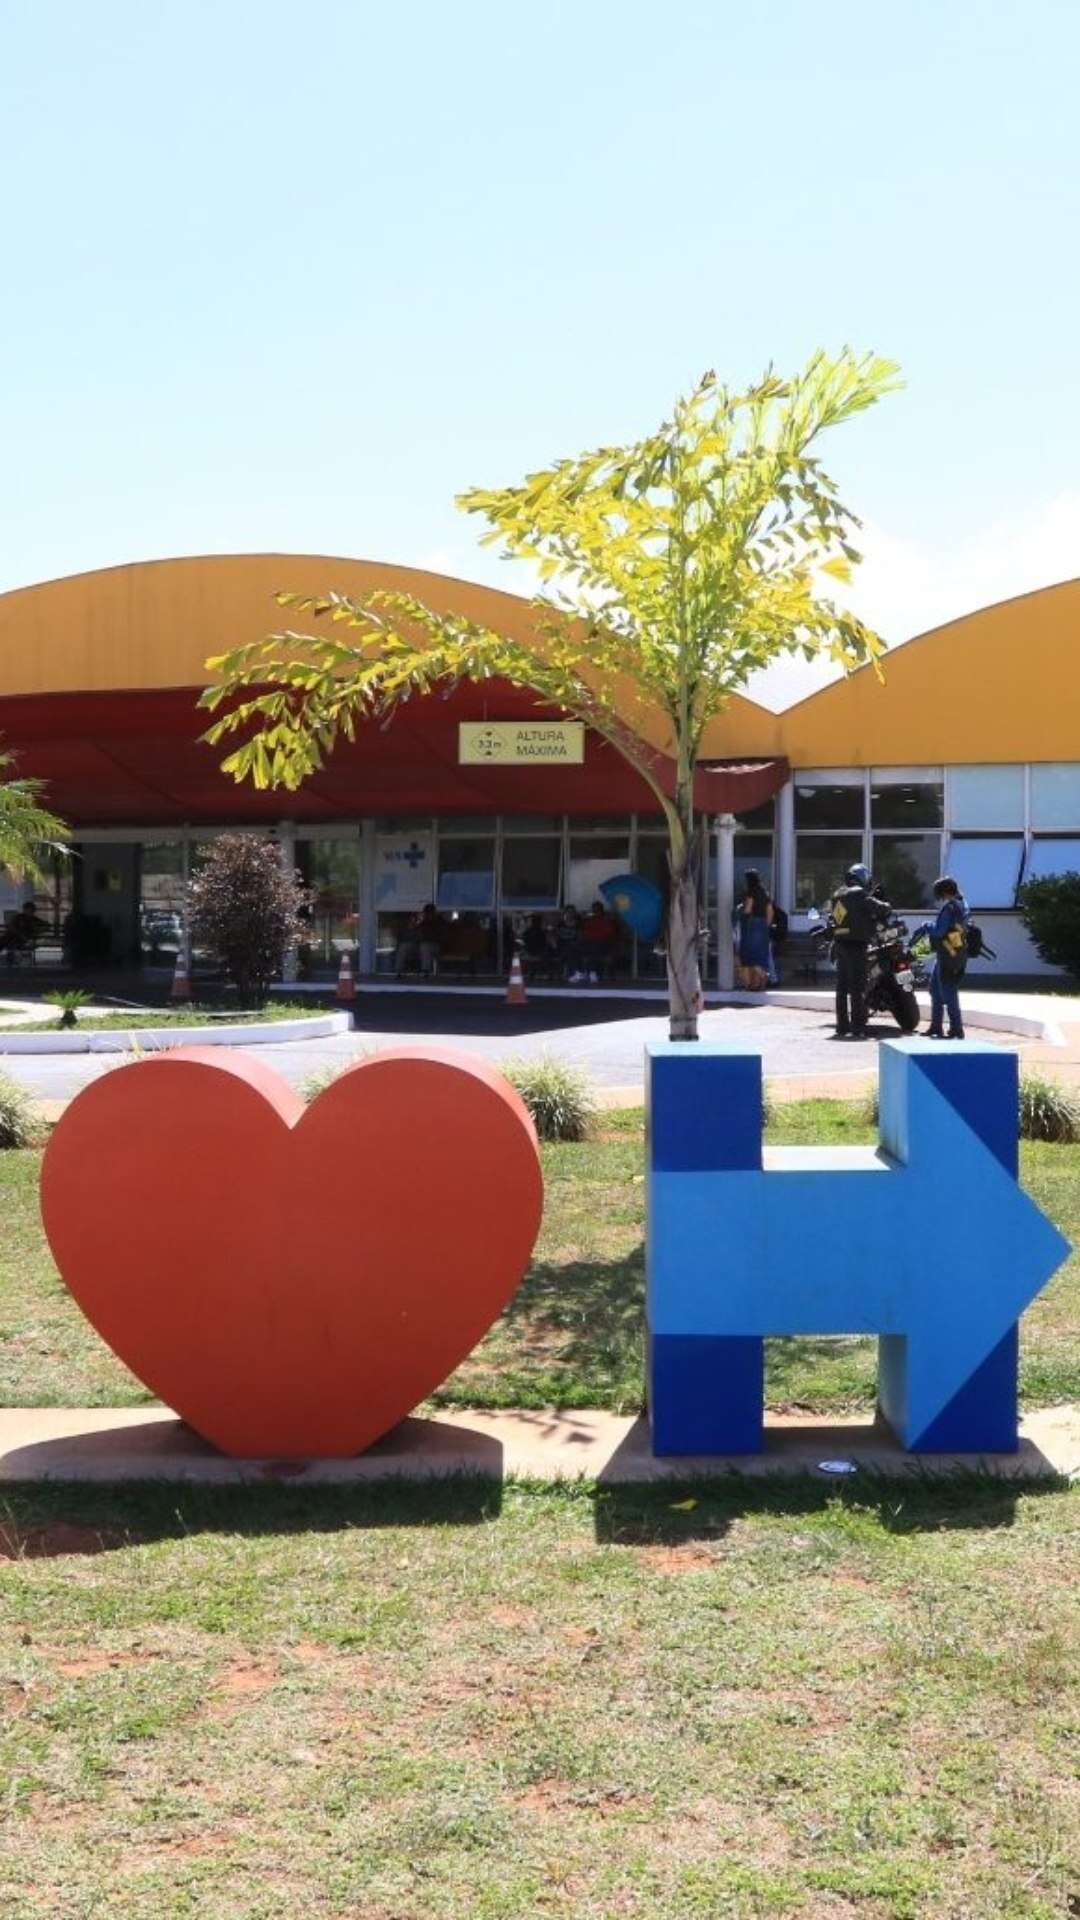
{"x":22,"y":933}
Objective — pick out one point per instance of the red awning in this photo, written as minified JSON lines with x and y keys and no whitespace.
{"x":136,"y":758}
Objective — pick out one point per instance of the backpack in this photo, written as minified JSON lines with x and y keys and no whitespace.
{"x":779,"y":929}
{"x":977,"y":948}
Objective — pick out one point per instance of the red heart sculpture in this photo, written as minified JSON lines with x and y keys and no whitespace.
{"x":291,"y":1279}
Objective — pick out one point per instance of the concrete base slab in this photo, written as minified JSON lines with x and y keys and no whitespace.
{"x":151,"y":1444}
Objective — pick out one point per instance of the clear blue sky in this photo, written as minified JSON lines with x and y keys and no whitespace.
{"x":284,"y":276}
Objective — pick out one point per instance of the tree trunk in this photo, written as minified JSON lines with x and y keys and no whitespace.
{"x":684,"y":954}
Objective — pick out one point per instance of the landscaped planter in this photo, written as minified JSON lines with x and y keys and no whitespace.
{"x":256,"y":1033}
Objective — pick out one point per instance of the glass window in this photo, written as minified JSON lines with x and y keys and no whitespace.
{"x":532,"y":823}
{"x":1047,"y":857}
{"x":1055,"y":795}
{"x":759,"y":819}
{"x":331,"y":868}
{"x":161,"y":902}
{"x":404,"y":870}
{"x":906,"y":866}
{"x":52,"y":898}
{"x":530,"y":872}
{"x":599,"y":823}
{"x":652,"y":860}
{"x":905,"y":804}
{"x":754,"y":850}
{"x":467,"y":875}
{"x":592,"y":861}
{"x":987,"y":868}
{"x":829,"y":806}
{"x":821,"y":860}
{"x":454,"y":825}
{"x":986,"y":797}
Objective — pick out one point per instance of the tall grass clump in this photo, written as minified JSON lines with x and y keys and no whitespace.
{"x":18,"y":1126}
{"x":559,"y":1097}
{"x":1048,"y":1111}
{"x":317,"y":1082}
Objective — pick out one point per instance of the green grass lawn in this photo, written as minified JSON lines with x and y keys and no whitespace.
{"x":717,"y":1701}
{"x":572,"y":1336}
{"x":461,"y":1703}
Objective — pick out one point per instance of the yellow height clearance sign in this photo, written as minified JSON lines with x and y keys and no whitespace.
{"x":520,"y":743}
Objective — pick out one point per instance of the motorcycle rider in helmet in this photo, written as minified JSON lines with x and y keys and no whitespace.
{"x":857,"y":912}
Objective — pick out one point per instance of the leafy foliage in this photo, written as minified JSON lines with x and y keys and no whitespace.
{"x":558,"y":1096}
{"x":685,"y":561}
{"x":1048,"y":1111}
{"x":317,"y":1082}
{"x":28,"y":831}
{"x":670,"y":570}
{"x":1051,"y":911}
{"x":68,"y":1003}
{"x":247,"y":910}
{"x":18,"y":1125}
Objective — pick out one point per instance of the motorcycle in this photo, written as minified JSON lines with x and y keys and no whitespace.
{"x":894,"y":968}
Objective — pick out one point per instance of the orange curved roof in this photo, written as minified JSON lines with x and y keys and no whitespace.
{"x":1000,"y":684}
{"x":153,"y":624}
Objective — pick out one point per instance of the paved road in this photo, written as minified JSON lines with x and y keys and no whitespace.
{"x":608,"y":1044}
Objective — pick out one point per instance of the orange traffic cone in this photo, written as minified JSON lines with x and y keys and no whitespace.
{"x":515,"y":990}
{"x":181,"y":980}
{"x":346,"y":985}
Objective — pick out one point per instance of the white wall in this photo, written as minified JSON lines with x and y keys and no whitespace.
{"x":1005,"y":932}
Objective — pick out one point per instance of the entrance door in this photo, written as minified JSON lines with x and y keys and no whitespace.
{"x":108,"y":900}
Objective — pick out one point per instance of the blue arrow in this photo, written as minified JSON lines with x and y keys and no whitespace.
{"x":926,"y":1240}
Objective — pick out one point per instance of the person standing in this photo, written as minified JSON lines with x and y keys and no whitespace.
{"x":753,"y":922}
{"x":856,"y":914}
{"x":948,"y":937}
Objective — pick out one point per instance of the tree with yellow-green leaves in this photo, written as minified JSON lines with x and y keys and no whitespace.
{"x":29,"y":833}
{"x":670,"y":571}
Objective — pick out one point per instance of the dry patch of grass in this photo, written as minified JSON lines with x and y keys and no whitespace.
{"x":417,"y":1702}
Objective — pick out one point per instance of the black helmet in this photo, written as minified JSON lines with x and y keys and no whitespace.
{"x":858,"y":876}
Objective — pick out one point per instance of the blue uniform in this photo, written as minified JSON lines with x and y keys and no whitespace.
{"x":950,"y":961}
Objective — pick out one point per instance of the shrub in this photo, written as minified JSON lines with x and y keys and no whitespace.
{"x":18,"y":1125}
{"x":558,"y":1096}
{"x":68,"y":1004}
{"x":1051,"y":911}
{"x":1048,"y":1111}
{"x":247,"y":910}
{"x":315,"y":1083}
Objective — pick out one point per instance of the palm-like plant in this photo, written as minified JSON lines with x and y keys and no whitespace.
{"x":28,"y":831}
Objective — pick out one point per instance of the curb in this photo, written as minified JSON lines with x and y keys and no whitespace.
{"x":149,"y":1444}
{"x":1026,"y":1026}
{"x":156,"y":1039}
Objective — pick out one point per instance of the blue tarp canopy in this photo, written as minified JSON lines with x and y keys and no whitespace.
{"x":637,"y":902}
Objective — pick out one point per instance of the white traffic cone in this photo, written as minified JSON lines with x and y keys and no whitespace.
{"x":346,"y":985}
{"x":515,"y":989}
{"x":181,"y":980}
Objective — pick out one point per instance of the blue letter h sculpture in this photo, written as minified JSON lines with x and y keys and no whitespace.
{"x":927,"y":1242}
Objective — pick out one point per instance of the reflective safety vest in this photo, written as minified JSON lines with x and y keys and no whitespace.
{"x":854,"y":918}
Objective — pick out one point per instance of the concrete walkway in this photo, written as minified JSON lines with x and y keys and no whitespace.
{"x":150,"y":1444}
{"x":606,"y":1040}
